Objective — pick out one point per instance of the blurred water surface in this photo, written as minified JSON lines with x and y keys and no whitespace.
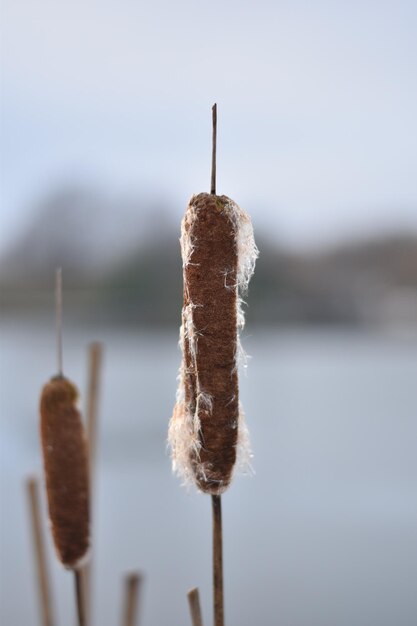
{"x":324,"y":534}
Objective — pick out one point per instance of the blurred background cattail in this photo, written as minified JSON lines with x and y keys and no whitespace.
{"x":67,"y":467}
{"x":65,"y":459}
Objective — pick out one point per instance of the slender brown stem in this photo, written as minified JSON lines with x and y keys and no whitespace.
{"x":44,"y":590}
{"x":95,"y":352}
{"x":58,"y":318}
{"x":195,"y":609}
{"x":130,"y":607}
{"x":218,"y":600}
{"x":214,"y":149}
{"x":94,"y":374}
{"x":79,"y":596}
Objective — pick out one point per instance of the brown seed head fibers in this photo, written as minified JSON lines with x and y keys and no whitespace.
{"x":210,"y":286}
{"x":66,"y":470}
{"x":207,"y":426}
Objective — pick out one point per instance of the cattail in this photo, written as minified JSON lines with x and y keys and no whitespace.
{"x":207,"y":430}
{"x":66,"y":470}
{"x":65,"y":460}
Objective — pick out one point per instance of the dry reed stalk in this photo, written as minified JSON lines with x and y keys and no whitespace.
{"x":42,"y":576}
{"x":195,"y":608}
{"x":95,"y":357}
{"x":132,"y":585}
{"x":207,"y":432}
{"x":95,"y":352}
{"x":65,"y":460}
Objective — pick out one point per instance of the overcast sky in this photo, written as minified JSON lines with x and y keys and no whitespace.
{"x":317,"y":107}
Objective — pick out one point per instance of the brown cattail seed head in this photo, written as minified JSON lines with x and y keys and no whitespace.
{"x":207,"y":427}
{"x":64,"y":450}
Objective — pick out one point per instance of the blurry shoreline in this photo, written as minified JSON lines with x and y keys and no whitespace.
{"x":122,"y":266}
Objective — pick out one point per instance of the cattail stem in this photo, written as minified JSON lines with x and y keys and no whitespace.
{"x":79,"y":596}
{"x":218,"y":600}
{"x":40,"y":555}
{"x":94,"y":375}
{"x":214,"y":149}
{"x":95,"y":352}
{"x":130,"y":608}
{"x":58,"y":318}
{"x":195,"y":609}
